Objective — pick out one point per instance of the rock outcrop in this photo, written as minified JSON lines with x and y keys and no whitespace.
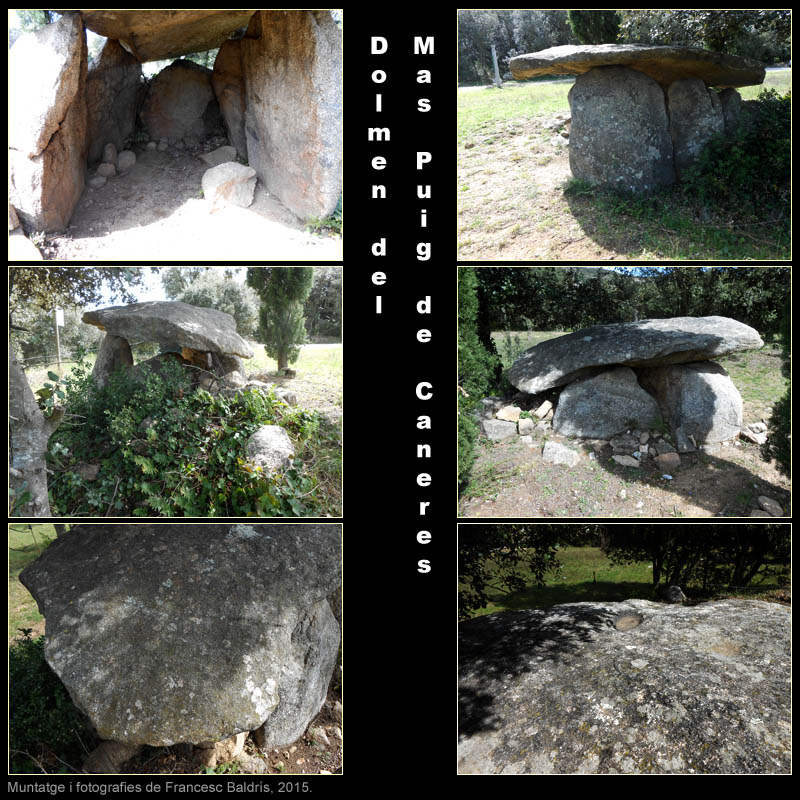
{"x":651,"y":342}
{"x":628,"y":687}
{"x":191,"y":633}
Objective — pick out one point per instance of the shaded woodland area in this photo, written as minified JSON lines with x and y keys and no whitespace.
{"x":715,"y":560}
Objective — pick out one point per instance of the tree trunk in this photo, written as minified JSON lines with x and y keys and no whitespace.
{"x":29,"y":433}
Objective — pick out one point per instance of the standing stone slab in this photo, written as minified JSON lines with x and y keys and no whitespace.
{"x":228,"y":83}
{"x":607,"y":404}
{"x":47,"y":114}
{"x":649,"y":342}
{"x":695,"y":116}
{"x":113,"y":91}
{"x":293,"y":88}
{"x":620,"y":132}
{"x":573,"y":689}
{"x":697,"y":400}
{"x":191,"y":633}
{"x":114,"y":354}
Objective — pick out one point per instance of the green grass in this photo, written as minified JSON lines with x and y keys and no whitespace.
{"x":575,"y":583}
{"x":520,"y":100}
{"x":25,"y":544}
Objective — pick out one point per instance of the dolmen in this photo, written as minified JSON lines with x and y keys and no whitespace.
{"x":628,"y":375}
{"x":633,"y":687}
{"x":201,"y":337}
{"x":641,"y":114}
{"x":192,"y":633}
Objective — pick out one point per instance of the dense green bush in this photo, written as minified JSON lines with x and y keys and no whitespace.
{"x":166,"y":450}
{"x":748,"y":174}
{"x":43,"y":722}
{"x":478,"y":369}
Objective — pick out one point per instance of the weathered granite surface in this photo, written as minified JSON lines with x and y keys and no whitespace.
{"x":663,"y":63}
{"x":172,"y":324}
{"x":628,"y":687}
{"x":649,"y":342}
{"x":191,"y":633}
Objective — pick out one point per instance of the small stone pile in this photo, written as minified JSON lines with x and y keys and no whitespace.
{"x":113,"y":164}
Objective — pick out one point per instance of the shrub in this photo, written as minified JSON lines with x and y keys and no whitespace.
{"x":477,"y":369}
{"x":749,"y":172}
{"x":166,"y":450}
{"x":44,"y":724}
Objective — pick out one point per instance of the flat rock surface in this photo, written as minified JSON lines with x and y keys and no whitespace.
{"x":191,"y":633}
{"x":158,"y":34}
{"x":649,"y":342}
{"x":170,"y":324}
{"x":578,"y":688}
{"x":663,"y":63}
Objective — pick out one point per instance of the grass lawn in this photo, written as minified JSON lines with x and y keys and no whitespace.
{"x":587,"y":574}
{"x":517,"y":199}
{"x":25,"y":544}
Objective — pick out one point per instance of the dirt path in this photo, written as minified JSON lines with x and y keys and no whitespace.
{"x":510,"y":479}
{"x":156,"y":212}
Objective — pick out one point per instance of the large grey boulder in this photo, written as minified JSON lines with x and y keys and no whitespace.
{"x":698,"y":401}
{"x":176,"y":102}
{"x":650,"y":342}
{"x":191,"y":633}
{"x":663,"y":63}
{"x":620,"y":132}
{"x":604,"y":405}
{"x":172,"y":324}
{"x":628,"y":687}
{"x":695,"y":116}
{"x":270,"y":448}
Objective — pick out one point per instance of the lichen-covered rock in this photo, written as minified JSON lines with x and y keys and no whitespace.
{"x":600,"y":407}
{"x":699,"y":401}
{"x":620,"y":131}
{"x":649,"y":342}
{"x":191,"y":633}
{"x":695,"y":117}
{"x":172,"y":324}
{"x":270,"y":448}
{"x":689,"y":689}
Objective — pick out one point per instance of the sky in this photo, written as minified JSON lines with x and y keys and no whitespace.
{"x":152,"y":288}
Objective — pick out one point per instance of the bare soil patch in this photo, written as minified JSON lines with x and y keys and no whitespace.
{"x":156,"y":212}
{"x":510,"y":479}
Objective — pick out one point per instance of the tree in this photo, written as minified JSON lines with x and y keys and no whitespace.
{"x":478,"y":367}
{"x":29,"y":428}
{"x":214,"y":287}
{"x":323,"y":306}
{"x":594,"y":27}
{"x":495,"y":556}
{"x":283,"y":291}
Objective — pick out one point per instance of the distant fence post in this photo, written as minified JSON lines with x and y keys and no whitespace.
{"x":497,"y":82}
{"x":58,"y":342}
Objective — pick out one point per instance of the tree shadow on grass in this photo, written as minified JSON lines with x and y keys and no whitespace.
{"x":498,"y":647}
